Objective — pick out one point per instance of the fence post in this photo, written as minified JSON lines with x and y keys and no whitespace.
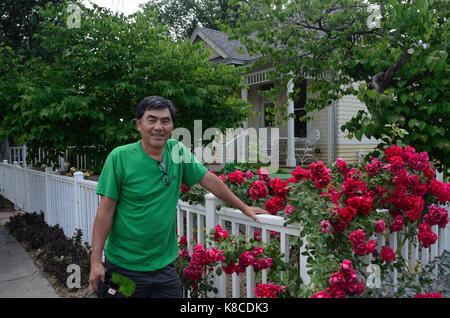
{"x":77,"y":176}
{"x":2,"y":180}
{"x":47,"y":213}
{"x":210,"y":212}
{"x":24,"y":156}
{"x":16,"y":185}
{"x":211,"y":222}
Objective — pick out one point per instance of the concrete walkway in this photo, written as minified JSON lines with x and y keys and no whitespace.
{"x":19,"y":276}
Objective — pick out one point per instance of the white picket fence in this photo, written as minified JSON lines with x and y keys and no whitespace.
{"x":72,"y":203}
{"x":80,"y":161}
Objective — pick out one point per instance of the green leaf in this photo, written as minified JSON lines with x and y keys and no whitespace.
{"x":372,"y":93}
{"x":403,"y":98}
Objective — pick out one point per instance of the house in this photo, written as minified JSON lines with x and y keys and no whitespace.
{"x":332,"y":144}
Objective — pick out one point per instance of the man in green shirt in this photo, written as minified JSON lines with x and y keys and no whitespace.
{"x":140,"y":186}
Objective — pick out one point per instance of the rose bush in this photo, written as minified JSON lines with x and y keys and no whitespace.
{"x":341,"y":210}
{"x":230,"y":254}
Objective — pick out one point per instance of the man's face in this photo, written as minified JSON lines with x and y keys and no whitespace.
{"x":156,"y":127}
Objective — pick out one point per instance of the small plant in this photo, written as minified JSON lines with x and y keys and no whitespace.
{"x":126,"y":285}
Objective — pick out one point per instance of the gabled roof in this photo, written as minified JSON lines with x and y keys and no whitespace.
{"x":227,"y":49}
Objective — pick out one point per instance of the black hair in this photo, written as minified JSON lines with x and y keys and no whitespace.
{"x":155,"y":102}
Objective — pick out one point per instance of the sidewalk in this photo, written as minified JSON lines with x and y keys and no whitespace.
{"x":19,"y":276}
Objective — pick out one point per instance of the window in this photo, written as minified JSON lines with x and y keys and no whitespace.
{"x":300,"y":127}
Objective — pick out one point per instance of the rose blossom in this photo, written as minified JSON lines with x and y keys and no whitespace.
{"x":440,"y":190}
{"x":262,"y":264}
{"x":436,"y":216}
{"x":236,"y":177}
{"x":394,"y":150}
{"x":387,"y":254}
{"x":258,"y":190}
{"x":274,"y":204}
{"x":429,"y":295}
{"x":220,"y":235}
{"x":398,"y":223}
{"x":426,"y":236}
{"x":373,"y":168}
{"x":289,"y":209}
{"x":415,"y":207}
{"x":342,"y":166}
{"x":246,"y":259}
{"x":356,"y":289}
{"x":249,"y":175}
{"x":325,"y":226}
{"x":268,"y":290}
{"x":322,"y":294}
{"x":257,"y":251}
{"x":357,"y":236}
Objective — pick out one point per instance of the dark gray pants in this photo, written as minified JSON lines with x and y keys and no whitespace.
{"x":162,"y":283}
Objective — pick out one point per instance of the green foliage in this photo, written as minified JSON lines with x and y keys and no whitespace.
{"x":195,"y":195}
{"x":182,"y":16}
{"x":19,"y":21}
{"x":400,"y":65}
{"x":89,"y":94}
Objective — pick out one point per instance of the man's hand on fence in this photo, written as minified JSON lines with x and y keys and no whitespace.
{"x":251,"y":211}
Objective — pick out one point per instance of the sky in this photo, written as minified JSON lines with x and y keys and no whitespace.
{"x":125,"y":6}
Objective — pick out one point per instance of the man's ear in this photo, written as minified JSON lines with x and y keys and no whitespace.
{"x":138,"y":124}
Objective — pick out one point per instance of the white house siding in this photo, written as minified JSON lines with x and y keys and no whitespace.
{"x":348,"y":149}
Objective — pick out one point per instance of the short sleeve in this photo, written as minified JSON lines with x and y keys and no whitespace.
{"x":109,"y":181}
{"x":193,"y":169}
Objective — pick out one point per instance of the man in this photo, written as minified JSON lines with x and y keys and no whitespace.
{"x":140,"y":185}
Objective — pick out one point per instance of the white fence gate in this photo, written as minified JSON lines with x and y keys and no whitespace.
{"x":72,"y":203}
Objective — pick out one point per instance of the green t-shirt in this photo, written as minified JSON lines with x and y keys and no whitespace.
{"x":143,"y":232}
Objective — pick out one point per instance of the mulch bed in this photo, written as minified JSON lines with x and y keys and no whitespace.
{"x":50,"y":249}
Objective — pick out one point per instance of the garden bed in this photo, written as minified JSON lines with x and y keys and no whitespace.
{"x":49,"y":248}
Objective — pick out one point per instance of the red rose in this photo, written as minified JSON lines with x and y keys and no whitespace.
{"x":236,"y":177}
{"x":365,"y":205}
{"x":393,"y":151}
{"x":415,"y":207}
{"x":398,"y":223}
{"x":346,"y":214}
{"x":420,"y":190}
{"x":342,"y":166}
{"x":274,"y":204}
{"x":380,"y":226}
{"x":387,"y":254}
{"x":322,"y":182}
{"x":426,"y":236}
{"x":354,"y":202}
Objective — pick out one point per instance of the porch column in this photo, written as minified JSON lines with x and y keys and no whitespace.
{"x":330,"y":133}
{"x":244,"y":142}
{"x":290,"y":160}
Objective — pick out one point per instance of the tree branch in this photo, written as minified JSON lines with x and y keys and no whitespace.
{"x":382,"y":79}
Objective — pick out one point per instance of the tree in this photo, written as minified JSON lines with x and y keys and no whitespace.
{"x":182,"y":16}
{"x":397,"y":66}
{"x":19,"y":21}
{"x":89,"y":94}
